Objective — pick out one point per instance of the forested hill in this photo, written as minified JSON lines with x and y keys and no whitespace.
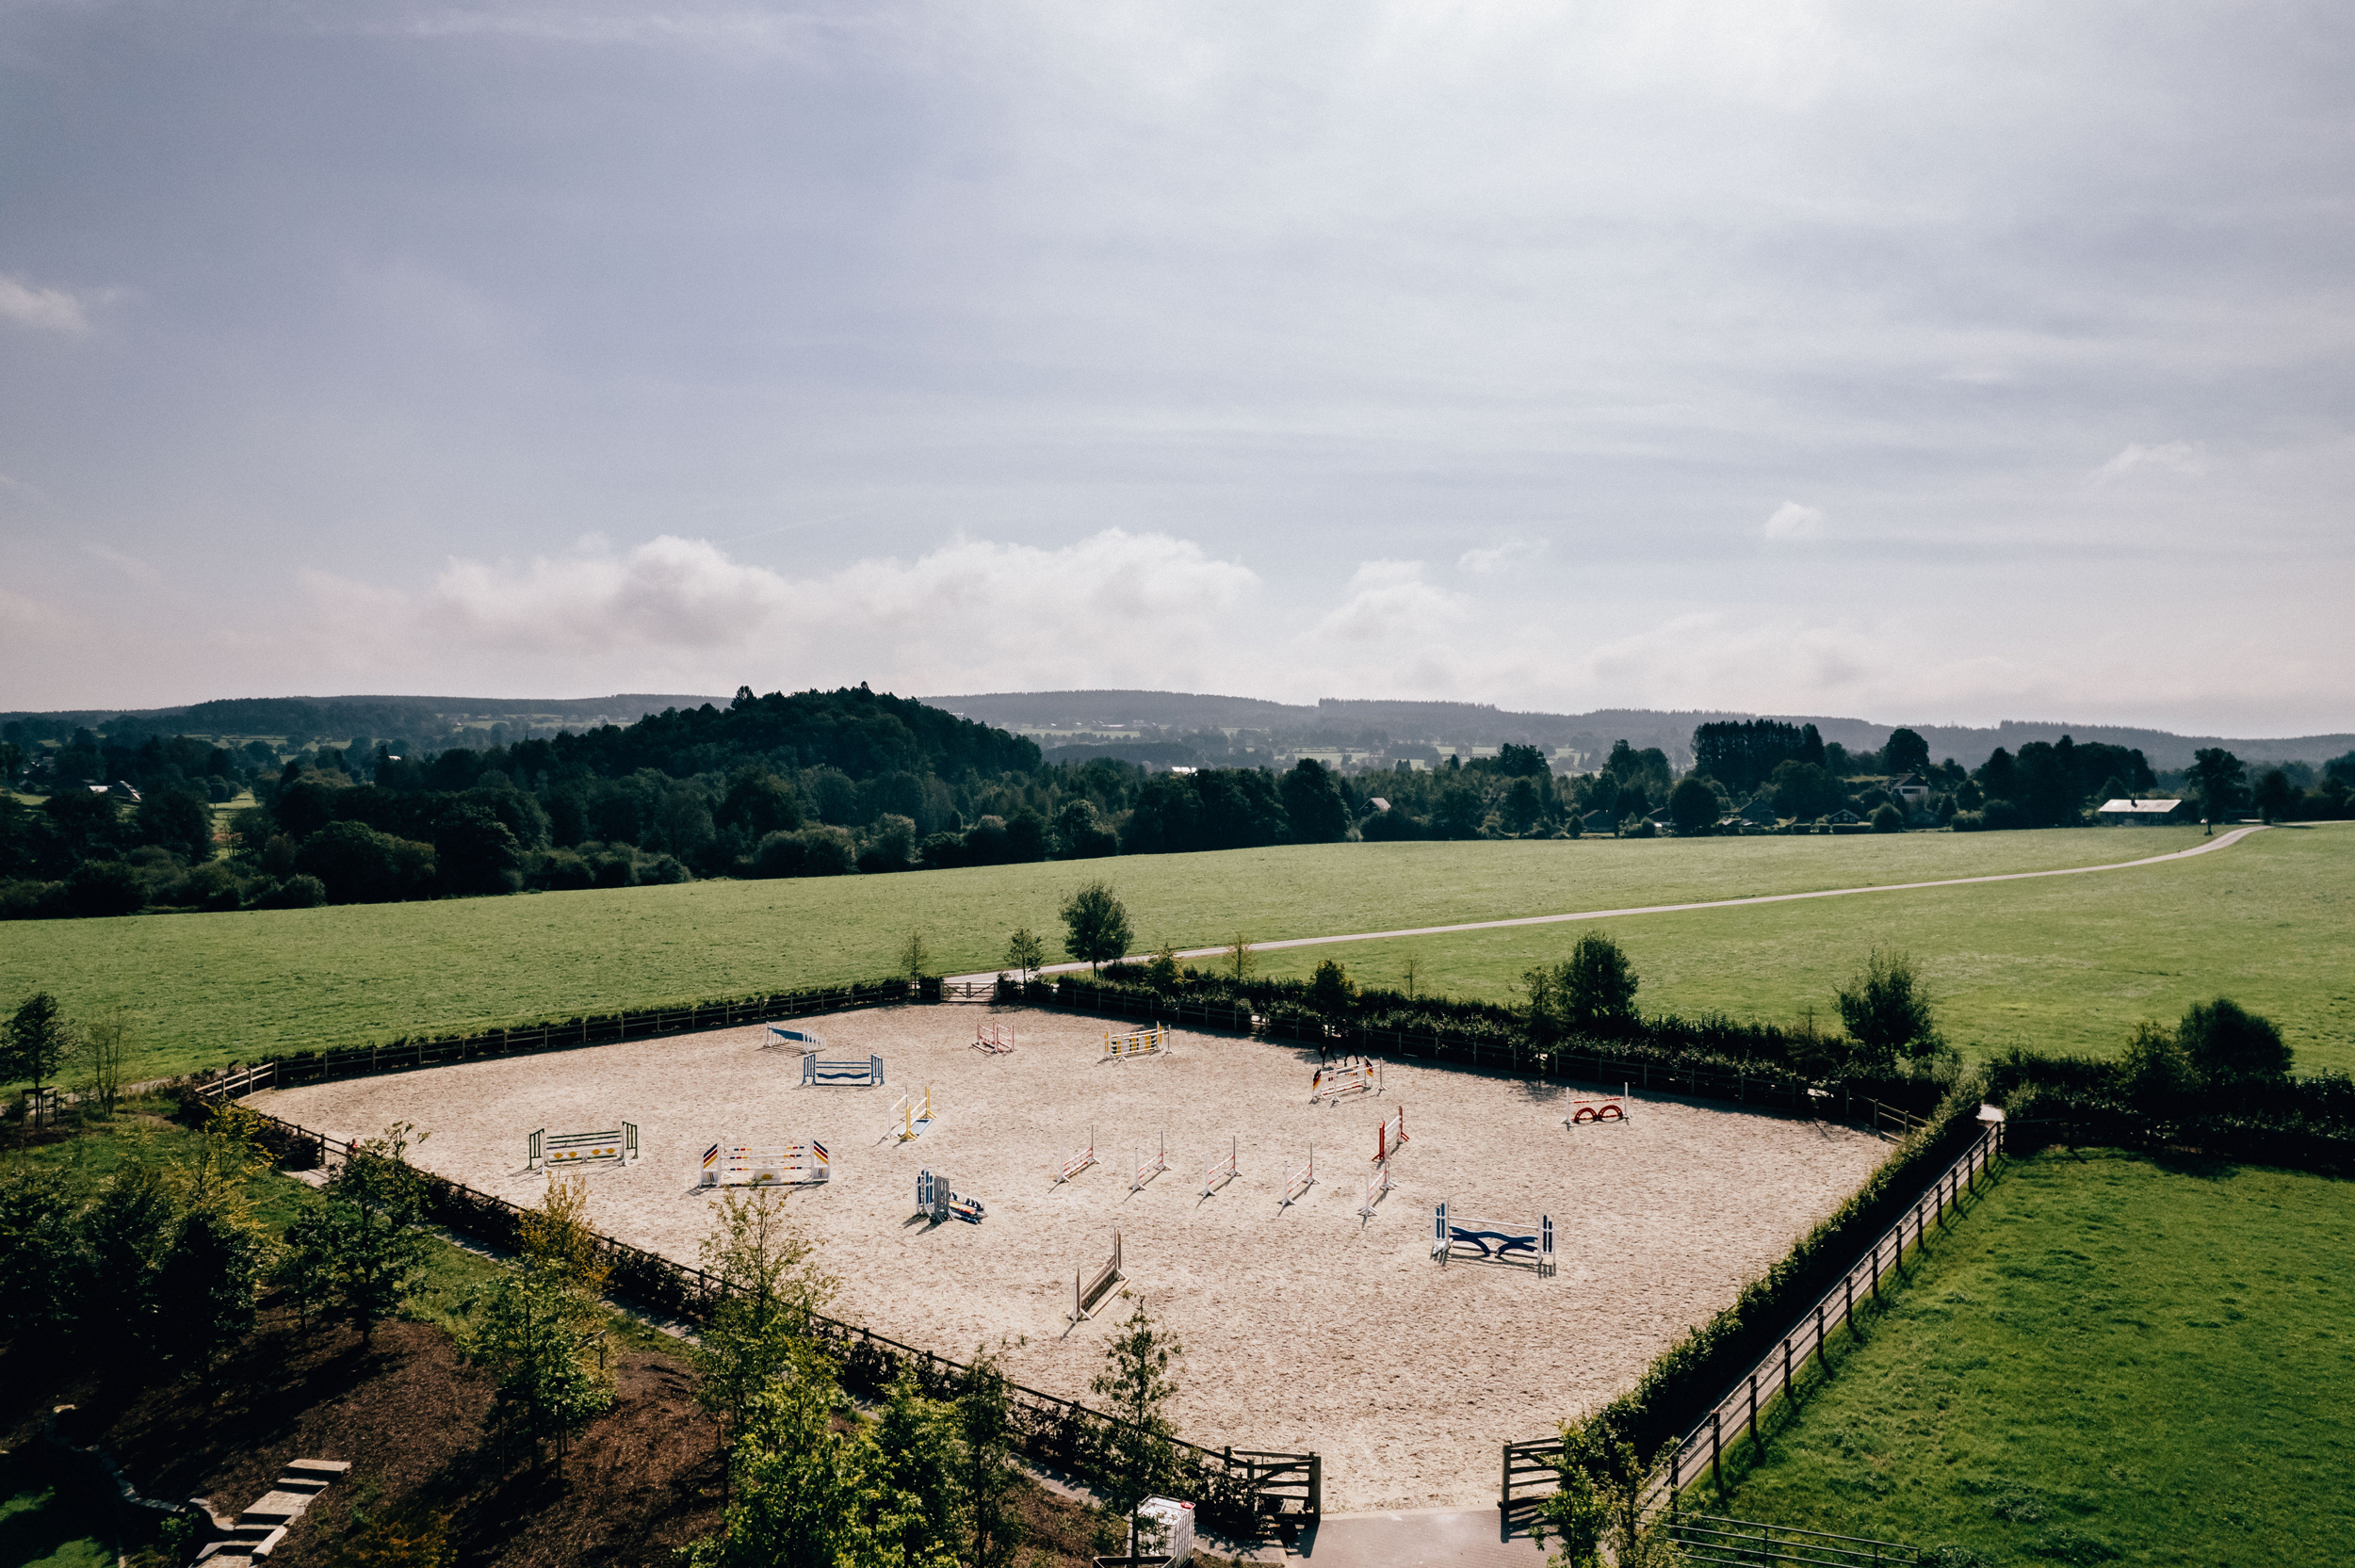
{"x":863,"y":733}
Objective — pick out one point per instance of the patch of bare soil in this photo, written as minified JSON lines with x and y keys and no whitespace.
{"x":637,"y":1484}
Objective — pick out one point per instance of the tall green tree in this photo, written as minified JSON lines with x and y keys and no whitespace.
{"x":1598,"y":986}
{"x":913,"y":1489}
{"x":769,"y":1288}
{"x":1095,"y":924}
{"x":2215,"y":777}
{"x":39,"y":1040}
{"x":985,"y":1414}
{"x":1313,"y":803}
{"x":1886,"y":1008}
{"x":540,"y":1336}
{"x":1025,"y":952}
{"x":39,"y":1237}
{"x":1905,"y":752}
{"x":361,"y":1252}
{"x":793,"y":1476}
{"x":1693,"y":806}
{"x":1136,"y":1387}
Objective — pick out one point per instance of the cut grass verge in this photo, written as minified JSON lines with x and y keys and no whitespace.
{"x":2112,"y":1358}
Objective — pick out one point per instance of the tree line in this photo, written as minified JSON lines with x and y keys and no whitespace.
{"x":853,"y":781}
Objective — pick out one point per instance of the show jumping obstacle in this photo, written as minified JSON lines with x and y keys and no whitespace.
{"x":808,"y":1043}
{"x":1143,"y":1043}
{"x":1377,"y":1185}
{"x":1363,"y":1075}
{"x":1302,"y":1179}
{"x":1390,"y":1136}
{"x":1584,"y":1112}
{"x":1081,"y":1159}
{"x":1089,"y":1294}
{"x":1221,"y":1173}
{"x":995,"y":1040}
{"x":1150,"y":1166}
{"x":1494,"y":1241}
{"x":618,"y":1147}
{"x":784,"y":1165}
{"x":911,"y":1117}
{"x":855,"y":1074}
{"x":933,"y":1198}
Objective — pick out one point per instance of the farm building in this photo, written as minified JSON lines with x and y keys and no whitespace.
{"x":2142,"y":811}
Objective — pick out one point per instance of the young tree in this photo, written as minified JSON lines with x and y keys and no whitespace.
{"x":1096,"y":926}
{"x":125,"y":1235}
{"x":1409,"y":973}
{"x":1241,"y":963}
{"x":206,"y":1277}
{"x":913,"y":956}
{"x":1887,"y":1009}
{"x":913,"y":1490}
{"x":1161,"y":973}
{"x":361,"y":1252}
{"x":1025,"y":952}
{"x":1331,"y":992}
{"x":770,"y":1286}
{"x":556,"y":1231}
{"x":541,"y":1338}
{"x":39,"y":1040}
{"x":1136,"y":1385}
{"x":105,"y":1047}
{"x":39,"y":1206}
{"x":793,"y":1478}
{"x":985,"y":1417}
{"x":1598,"y":986}
{"x":2153,"y":1068}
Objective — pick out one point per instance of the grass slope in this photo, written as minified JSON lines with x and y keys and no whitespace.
{"x":2108,"y":1360}
{"x":2060,"y":964}
{"x":212,"y":987}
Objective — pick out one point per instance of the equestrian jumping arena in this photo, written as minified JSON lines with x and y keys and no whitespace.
{"x":1305,"y":1325}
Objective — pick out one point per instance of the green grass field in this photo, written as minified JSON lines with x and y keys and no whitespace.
{"x":2060,"y":964}
{"x":214,"y":988}
{"x":2109,"y":1360}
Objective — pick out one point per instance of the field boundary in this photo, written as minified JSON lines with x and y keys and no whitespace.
{"x":1238,"y":1489}
{"x":1774,"y":1089}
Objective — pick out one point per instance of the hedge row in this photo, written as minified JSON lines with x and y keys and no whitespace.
{"x":2297,"y":1124}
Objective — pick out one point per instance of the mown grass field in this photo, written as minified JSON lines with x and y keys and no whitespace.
{"x":209,"y":989}
{"x":2109,"y":1360}
{"x":2060,"y":964}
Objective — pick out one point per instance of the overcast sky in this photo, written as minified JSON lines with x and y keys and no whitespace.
{"x":1937,"y":363}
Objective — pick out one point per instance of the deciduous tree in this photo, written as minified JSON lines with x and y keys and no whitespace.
{"x":1095,"y":924}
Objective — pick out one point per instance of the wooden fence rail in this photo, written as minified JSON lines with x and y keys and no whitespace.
{"x":1531,"y":1469}
{"x":1234,"y":1490}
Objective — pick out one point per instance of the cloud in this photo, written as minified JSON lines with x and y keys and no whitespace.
{"x":1794,"y":520}
{"x":129,"y":565}
{"x":48,"y":310}
{"x":2186,"y":458}
{"x":1389,"y":599}
{"x":1111,"y":607}
{"x":1502,"y":555}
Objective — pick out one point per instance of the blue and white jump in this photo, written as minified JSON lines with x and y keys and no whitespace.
{"x":1494,"y":1240}
{"x":856,"y":1074}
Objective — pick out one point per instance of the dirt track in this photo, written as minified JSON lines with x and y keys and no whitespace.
{"x":1303,"y":1327}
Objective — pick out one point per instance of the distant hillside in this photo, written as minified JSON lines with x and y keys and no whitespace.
{"x":422,"y":720}
{"x":1339,"y":722}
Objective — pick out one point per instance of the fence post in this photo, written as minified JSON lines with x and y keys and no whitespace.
{"x":1820,"y":1364}
{"x":1786,"y":1368}
{"x":1758,"y":1446}
{"x":1716,"y":1475}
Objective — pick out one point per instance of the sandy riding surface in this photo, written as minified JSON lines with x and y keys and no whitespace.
{"x":1303,"y":1327}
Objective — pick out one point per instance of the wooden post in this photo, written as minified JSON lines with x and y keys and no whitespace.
{"x":1820,"y":1364}
{"x":1716,"y":1475}
{"x":1758,"y":1447}
{"x":1786,"y":1368}
{"x":1847,"y":1290}
{"x":1877,"y":1270}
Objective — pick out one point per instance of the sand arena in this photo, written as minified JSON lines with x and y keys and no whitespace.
{"x":1303,"y":1327}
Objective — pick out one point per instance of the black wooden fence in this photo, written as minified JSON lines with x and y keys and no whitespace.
{"x":1237,"y":1491}
{"x":1776,"y":1092}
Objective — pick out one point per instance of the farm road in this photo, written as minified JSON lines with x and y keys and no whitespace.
{"x":2221,"y":842}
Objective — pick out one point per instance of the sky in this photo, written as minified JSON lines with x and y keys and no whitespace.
{"x":1922,"y":364}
